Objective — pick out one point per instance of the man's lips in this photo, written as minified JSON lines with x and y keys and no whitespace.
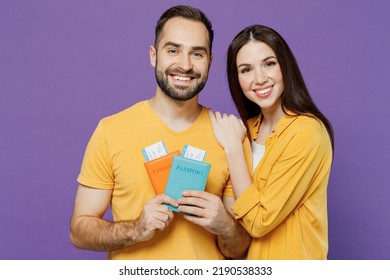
{"x":181,"y":78}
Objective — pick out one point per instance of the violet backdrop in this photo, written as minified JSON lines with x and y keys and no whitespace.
{"x":66,"y":64}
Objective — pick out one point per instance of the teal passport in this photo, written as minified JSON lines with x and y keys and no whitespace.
{"x":186,"y":174}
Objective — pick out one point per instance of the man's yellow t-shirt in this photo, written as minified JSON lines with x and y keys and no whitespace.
{"x":114,"y":160}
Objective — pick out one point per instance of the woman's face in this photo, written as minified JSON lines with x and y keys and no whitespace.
{"x":260,"y":76}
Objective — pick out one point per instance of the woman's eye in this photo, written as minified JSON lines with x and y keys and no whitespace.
{"x":270,"y":63}
{"x":245,"y":70}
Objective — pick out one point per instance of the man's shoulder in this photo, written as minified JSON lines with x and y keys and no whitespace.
{"x":133,"y":112}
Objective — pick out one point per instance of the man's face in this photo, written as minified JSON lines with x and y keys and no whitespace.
{"x":182,"y":59}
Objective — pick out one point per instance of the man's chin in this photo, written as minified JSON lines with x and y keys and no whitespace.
{"x":179,"y":97}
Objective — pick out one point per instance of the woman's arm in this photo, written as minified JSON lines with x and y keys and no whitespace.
{"x":230,"y":133}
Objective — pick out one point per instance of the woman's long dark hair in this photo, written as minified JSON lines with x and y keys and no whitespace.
{"x":295,"y":97}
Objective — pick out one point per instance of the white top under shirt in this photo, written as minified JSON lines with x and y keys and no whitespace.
{"x":257,"y":154}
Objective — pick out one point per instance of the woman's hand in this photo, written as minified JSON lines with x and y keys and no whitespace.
{"x":228,"y":129}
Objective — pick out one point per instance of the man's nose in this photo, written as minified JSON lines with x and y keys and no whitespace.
{"x":184,"y":62}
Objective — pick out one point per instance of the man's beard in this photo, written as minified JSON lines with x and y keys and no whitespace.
{"x":177,"y":92}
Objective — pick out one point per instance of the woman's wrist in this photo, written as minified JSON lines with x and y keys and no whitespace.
{"x":233,"y":148}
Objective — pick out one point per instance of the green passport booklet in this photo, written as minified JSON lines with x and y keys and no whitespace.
{"x":186,"y":174}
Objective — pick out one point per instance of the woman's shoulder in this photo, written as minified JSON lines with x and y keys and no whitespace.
{"x":310,"y":123}
{"x":309,"y":129}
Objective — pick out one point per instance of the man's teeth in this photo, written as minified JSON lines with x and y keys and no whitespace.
{"x":180,"y":78}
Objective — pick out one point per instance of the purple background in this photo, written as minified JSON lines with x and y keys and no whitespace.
{"x":66,"y":64}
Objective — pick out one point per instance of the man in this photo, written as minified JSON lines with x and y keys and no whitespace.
{"x":113,"y":170}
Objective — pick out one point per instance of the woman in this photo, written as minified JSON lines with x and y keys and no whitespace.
{"x":283,"y":205}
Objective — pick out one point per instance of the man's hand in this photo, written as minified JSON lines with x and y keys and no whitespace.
{"x":204,"y":209}
{"x":208,"y":211}
{"x":155,"y":216}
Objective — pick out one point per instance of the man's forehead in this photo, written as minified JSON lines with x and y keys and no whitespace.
{"x":184,"y":32}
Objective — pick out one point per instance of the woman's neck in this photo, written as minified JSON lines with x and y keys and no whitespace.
{"x":268,"y":123}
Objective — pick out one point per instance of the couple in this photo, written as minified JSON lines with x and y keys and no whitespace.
{"x":265,"y":196}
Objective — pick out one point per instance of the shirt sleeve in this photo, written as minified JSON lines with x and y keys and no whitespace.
{"x":96,"y":171}
{"x":279,"y":189}
{"x":228,"y":190}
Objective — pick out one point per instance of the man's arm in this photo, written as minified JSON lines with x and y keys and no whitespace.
{"x":209,"y":212}
{"x":234,"y":242}
{"x":88,"y":229}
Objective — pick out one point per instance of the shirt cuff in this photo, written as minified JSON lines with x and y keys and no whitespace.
{"x":246,"y":202}
{"x":93,"y":184}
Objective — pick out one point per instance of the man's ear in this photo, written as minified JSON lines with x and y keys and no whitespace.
{"x":211,"y":58}
{"x":152,"y":55}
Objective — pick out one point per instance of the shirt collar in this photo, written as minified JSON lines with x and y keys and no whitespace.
{"x":285,"y":121}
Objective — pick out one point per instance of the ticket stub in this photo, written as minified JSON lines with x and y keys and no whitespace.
{"x":154,"y":151}
{"x":193,"y":153}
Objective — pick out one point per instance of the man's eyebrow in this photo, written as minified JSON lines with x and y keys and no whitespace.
{"x":176,"y":45}
{"x":194,"y":48}
{"x":200,"y":48}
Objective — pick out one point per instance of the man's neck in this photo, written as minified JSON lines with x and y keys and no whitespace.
{"x":177,"y":115}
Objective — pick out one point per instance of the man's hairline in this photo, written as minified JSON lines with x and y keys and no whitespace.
{"x":157,"y":40}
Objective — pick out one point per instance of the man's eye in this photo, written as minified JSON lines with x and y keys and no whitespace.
{"x":197,"y":54}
